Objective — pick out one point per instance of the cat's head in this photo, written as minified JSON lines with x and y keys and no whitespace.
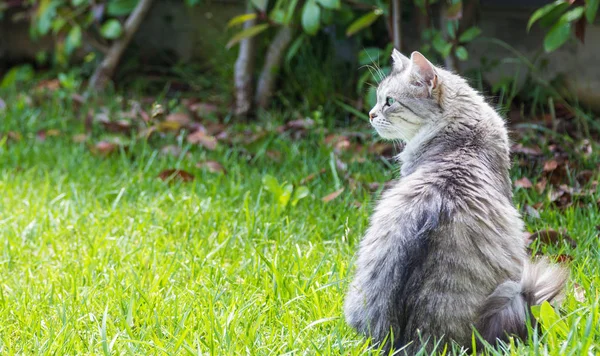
{"x":406,"y":99}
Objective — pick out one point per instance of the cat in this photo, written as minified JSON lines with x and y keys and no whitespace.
{"x":444,"y":252}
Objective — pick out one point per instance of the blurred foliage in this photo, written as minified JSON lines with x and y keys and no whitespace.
{"x":563,"y":19}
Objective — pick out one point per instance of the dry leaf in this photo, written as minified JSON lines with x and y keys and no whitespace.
{"x":552,"y":237}
{"x":104,"y":148}
{"x":274,"y":155}
{"x":170,"y":175}
{"x":341,"y":165}
{"x":171,"y":150}
{"x":200,"y":138}
{"x":540,"y":186}
{"x":120,"y":126}
{"x":376,"y":185}
{"x":550,"y":165}
{"x":165,"y":126}
{"x":79,"y":138}
{"x":312,"y":176}
{"x":329,"y":197}
{"x":532,"y":211}
{"x":212,"y":166}
{"x":181,"y":118}
{"x":202,"y":110}
{"x":529,"y":151}
{"x":523,"y":183}
{"x":2,"y":104}
{"x":49,"y":84}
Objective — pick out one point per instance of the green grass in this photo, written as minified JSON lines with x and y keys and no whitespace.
{"x":99,"y":256}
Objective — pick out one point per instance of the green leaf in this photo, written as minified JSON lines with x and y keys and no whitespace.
{"x":363,"y":22}
{"x":111,"y":29}
{"x":294,"y":47}
{"x":330,"y":4}
{"x":73,"y":39}
{"x":469,"y":35}
{"x":550,"y":319}
{"x":45,"y":15}
{"x":439,"y":43}
{"x":311,"y":15}
{"x":543,"y":11}
{"x":278,"y":16}
{"x":557,"y":36}
{"x":299,"y":193}
{"x":249,"y":32}
{"x":16,"y":75}
{"x":260,"y":4}
{"x":285,"y":195}
{"x":241,"y":19}
{"x":573,"y":15}
{"x":591,"y":9}
{"x":461,"y":53}
{"x":120,"y":7}
{"x":271,"y":184}
{"x":452,"y":26}
{"x":369,"y":55}
{"x":76,"y":3}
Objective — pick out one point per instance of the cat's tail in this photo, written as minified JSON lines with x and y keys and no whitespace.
{"x":506,"y":311}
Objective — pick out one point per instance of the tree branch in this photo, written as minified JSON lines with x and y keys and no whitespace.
{"x":106,"y":69}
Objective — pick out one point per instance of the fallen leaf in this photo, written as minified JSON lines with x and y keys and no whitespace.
{"x":170,"y":175}
{"x":165,"y":126}
{"x":14,"y":136}
{"x":181,"y":118}
{"x":550,"y":165}
{"x":329,"y":197}
{"x":585,"y":176}
{"x":2,"y":104}
{"x":382,"y":149}
{"x":274,"y":155}
{"x":356,"y":204}
{"x":523,"y":183}
{"x":529,"y":151}
{"x":212,"y":166}
{"x":532,"y":211}
{"x":340,"y":165}
{"x":171,"y":150}
{"x":119,"y":126}
{"x":202,"y":110}
{"x":540,"y":186}
{"x":79,"y":138}
{"x":48,"y":84}
{"x":104,"y":148}
{"x":312,"y":176}
{"x":551,"y":237}
{"x":563,"y":258}
{"x":200,"y":138}
{"x":41,"y":135}
{"x":157,"y":112}
{"x":300,"y":124}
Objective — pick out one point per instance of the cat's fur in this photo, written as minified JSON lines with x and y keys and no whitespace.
{"x":444,"y":251}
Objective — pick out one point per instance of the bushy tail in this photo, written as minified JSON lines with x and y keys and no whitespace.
{"x":506,"y":310}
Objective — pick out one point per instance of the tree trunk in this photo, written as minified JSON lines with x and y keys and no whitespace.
{"x":266,"y":81}
{"x":244,"y":66}
{"x":106,"y":69}
{"x":397,"y":24}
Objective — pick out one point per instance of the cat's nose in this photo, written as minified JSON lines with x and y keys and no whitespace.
{"x":372,"y":116}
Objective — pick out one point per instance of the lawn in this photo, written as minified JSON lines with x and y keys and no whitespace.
{"x":99,"y":256}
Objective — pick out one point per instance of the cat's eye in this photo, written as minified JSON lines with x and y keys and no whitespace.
{"x":389,"y":101}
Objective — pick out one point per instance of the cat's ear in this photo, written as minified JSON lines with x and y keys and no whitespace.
{"x":425,"y":70}
{"x":400,"y":61}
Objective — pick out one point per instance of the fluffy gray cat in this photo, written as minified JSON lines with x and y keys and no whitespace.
{"x":444,"y":252}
